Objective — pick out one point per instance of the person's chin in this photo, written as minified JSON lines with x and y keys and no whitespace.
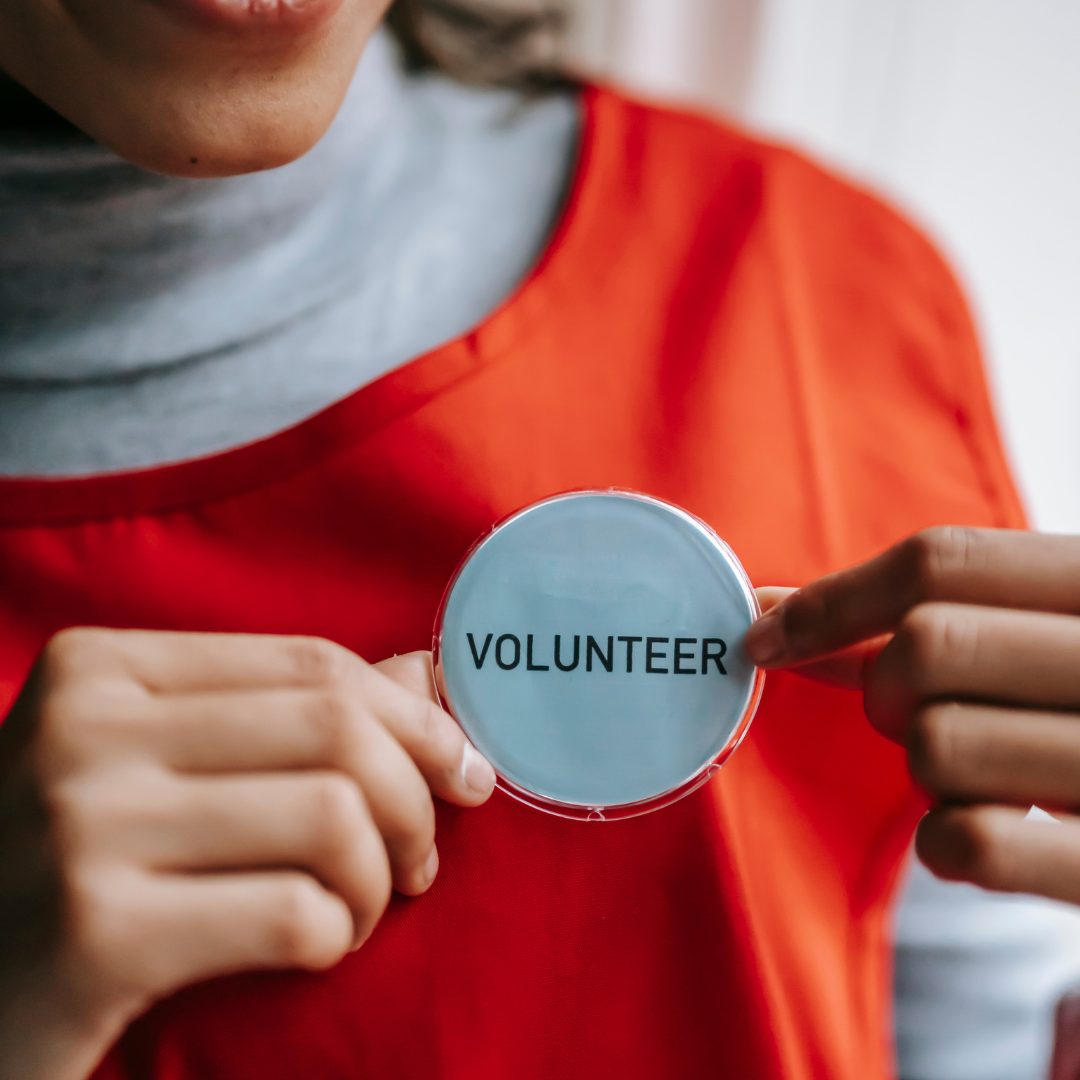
{"x":197,"y":87}
{"x":215,"y":138}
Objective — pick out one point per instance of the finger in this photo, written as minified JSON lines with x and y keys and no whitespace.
{"x":315,"y":821}
{"x":453,"y":768}
{"x":995,"y":847}
{"x":377,"y":733}
{"x":322,"y":728}
{"x":164,"y":662}
{"x":263,"y":731}
{"x":165,"y":931}
{"x":338,"y":728}
{"x":985,"y":654}
{"x":995,"y":567}
{"x":413,"y":671}
{"x":961,"y":752}
{"x":301,"y":730}
{"x":844,"y":669}
{"x":467,"y":779}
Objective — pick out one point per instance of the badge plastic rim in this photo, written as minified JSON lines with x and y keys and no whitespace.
{"x":617,"y":811}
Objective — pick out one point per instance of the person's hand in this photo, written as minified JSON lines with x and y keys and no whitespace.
{"x":177,"y":806}
{"x":966,"y":644}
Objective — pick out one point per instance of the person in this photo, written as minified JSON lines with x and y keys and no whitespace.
{"x":262,"y":385}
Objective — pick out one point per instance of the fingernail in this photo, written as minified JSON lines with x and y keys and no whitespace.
{"x":765,"y":642}
{"x":476,"y":773}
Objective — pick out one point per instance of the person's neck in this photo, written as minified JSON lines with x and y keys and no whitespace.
{"x":21,"y":111}
{"x":107,"y":269}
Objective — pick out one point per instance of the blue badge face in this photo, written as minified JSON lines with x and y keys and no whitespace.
{"x":591,"y":646}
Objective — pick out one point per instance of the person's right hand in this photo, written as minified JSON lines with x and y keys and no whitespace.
{"x":178,"y":806}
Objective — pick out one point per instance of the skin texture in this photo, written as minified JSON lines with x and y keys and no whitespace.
{"x":964,"y":643}
{"x":210,"y":91}
{"x":178,"y":806}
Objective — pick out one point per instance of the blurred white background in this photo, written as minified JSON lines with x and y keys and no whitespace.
{"x":966,"y":113}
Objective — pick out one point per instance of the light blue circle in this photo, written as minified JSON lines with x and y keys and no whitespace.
{"x":600,"y":568}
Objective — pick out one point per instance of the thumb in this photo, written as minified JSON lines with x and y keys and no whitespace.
{"x":846,"y":669}
{"x":413,"y":671}
{"x":768,"y":596}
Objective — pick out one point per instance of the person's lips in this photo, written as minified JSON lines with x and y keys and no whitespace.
{"x":282,"y":16}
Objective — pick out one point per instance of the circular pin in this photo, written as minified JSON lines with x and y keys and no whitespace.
{"x":591,"y":647}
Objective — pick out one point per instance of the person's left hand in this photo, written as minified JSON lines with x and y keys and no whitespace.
{"x":966,"y":645}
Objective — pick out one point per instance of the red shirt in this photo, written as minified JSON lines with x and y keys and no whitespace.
{"x":717,"y":322}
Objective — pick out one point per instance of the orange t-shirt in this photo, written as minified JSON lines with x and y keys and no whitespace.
{"x":717,"y":322}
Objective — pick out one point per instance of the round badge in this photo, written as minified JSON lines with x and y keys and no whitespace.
{"x":591,"y":647}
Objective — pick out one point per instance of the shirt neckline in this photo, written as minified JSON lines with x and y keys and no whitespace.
{"x":28,"y":501}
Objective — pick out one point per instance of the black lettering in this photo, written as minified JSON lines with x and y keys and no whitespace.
{"x":577,"y":653}
{"x":498,"y":652}
{"x":629,"y":652}
{"x":680,"y":655}
{"x":479,"y":660}
{"x":591,"y":647}
{"x":706,"y":656}
{"x":651,"y":655}
{"x":529,"y":665}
